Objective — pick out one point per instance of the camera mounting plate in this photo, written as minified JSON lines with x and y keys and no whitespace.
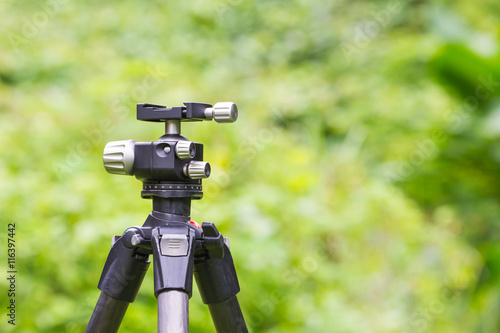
{"x":160,"y":113}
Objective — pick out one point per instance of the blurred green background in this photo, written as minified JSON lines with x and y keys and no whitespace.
{"x":359,"y":186}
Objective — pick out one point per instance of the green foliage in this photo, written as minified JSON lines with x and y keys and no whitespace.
{"x":359,"y":187}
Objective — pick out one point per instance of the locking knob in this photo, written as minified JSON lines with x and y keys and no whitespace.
{"x":118,"y":157}
{"x":185,"y":149}
{"x":197,"y":170}
{"x":222,"y":112}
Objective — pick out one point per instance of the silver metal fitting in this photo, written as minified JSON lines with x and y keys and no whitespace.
{"x":197,"y":170}
{"x":118,"y":157}
{"x":185,"y":149}
{"x":222,"y":112}
{"x":172,"y":126}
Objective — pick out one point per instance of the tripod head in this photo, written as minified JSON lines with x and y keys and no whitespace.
{"x":172,"y":166}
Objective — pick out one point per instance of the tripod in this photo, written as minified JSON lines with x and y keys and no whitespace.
{"x":171,"y":170}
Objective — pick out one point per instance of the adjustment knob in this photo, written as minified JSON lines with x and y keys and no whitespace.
{"x":185,"y":149}
{"x":197,"y":170}
{"x":223,"y":112}
{"x":118,"y":157}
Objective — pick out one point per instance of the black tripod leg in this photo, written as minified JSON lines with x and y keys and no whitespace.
{"x":218,"y":285}
{"x":227,"y":316}
{"x":120,"y":281}
{"x":108,"y":314}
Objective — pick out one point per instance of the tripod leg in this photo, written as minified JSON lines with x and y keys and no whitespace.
{"x":120,"y":281}
{"x":107,"y":316}
{"x":173,"y":311}
{"x":218,"y":285}
{"x":227,"y":316}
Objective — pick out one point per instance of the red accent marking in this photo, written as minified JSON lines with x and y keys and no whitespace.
{"x":197,"y":225}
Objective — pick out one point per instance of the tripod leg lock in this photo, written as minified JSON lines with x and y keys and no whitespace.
{"x":216,"y":278}
{"x":123,"y":272}
{"x":213,"y":241}
{"x":173,"y":257}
